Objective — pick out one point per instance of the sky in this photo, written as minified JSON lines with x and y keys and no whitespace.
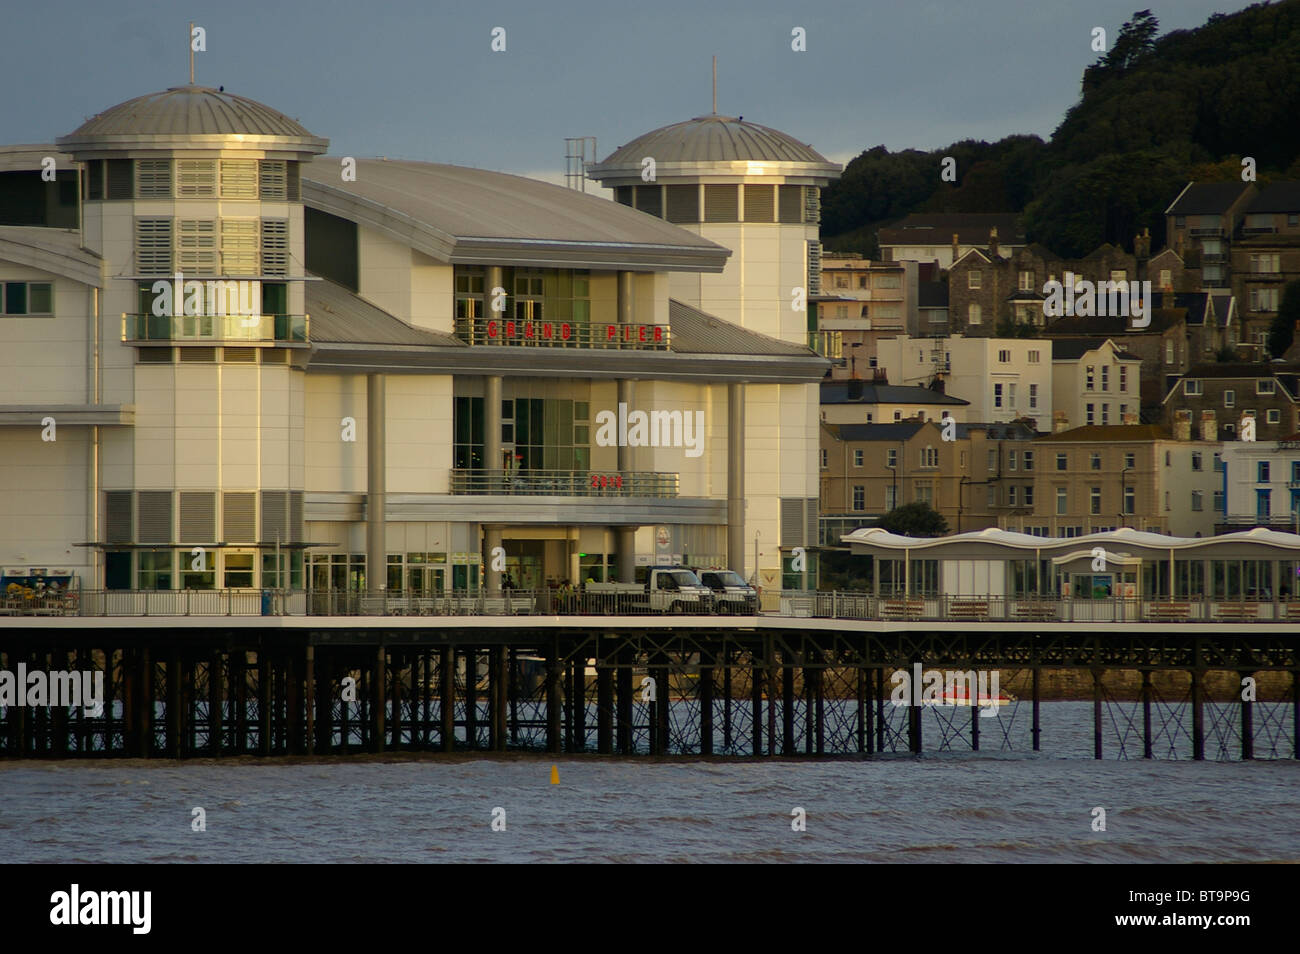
{"x":419,"y":80}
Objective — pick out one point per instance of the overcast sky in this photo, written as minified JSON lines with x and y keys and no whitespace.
{"x":418,"y":79}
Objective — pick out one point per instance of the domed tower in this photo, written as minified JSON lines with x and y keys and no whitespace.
{"x":191,"y":197}
{"x":749,"y":188}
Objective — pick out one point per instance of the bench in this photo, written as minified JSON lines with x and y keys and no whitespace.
{"x":968,"y":609}
{"x":903,"y":609}
{"x":1237,"y":610}
{"x":1037,"y":612}
{"x":1169,"y":611}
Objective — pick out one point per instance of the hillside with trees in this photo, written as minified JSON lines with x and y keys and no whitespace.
{"x":1154,"y":112}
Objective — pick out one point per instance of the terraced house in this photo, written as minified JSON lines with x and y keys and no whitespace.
{"x":407,"y":366}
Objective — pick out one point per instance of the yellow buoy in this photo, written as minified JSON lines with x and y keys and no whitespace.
{"x":555,"y":775}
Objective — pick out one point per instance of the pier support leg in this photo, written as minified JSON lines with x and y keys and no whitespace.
{"x":726,"y":701}
{"x":787,"y":704}
{"x":1198,"y":715}
{"x":174,"y":704}
{"x":809,"y":705}
{"x":378,"y":681}
{"x":624,"y":689}
{"x":553,"y":713}
{"x":864,"y":713}
{"x":914,"y":742}
{"x":309,"y":678}
{"x":756,"y":700}
{"x":447,"y":698}
{"x":145,"y":709}
{"x":880,"y":708}
{"x":216,"y":696}
{"x":500,"y":697}
{"x":1096,"y":713}
{"x":263,"y":700}
{"x":769,"y":685}
{"x":1247,"y":722}
{"x":660,"y":708}
{"x":973,"y":697}
{"x":471,"y":698}
{"x":1146,"y":713}
{"x":706,"y":704}
{"x":604,"y":697}
{"x":1036,"y":726}
{"x":397,"y":663}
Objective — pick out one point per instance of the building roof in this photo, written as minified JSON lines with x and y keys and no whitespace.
{"x":184,"y":112}
{"x":711,"y":138}
{"x":838,"y":392}
{"x":1278,"y":197}
{"x":859,"y":433}
{"x":343,"y":317}
{"x":472,"y":216}
{"x":1120,"y":541}
{"x":692,"y":331}
{"x":1240,"y":369}
{"x":1071,"y":349}
{"x":937,"y":229}
{"x":1206,"y":198}
{"x":53,"y":250}
{"x":1109,"y":434}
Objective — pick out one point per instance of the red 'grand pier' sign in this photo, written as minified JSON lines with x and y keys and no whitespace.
{"x":509,"y":330}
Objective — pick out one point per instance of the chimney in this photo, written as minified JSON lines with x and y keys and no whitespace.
{"x":1182,"y":425}
{"x":1060,"y":422}
{"x":1131,"y":417}
{"x":993,"y":241}
{"x":956,"y":247}
{"x":1209,"y":426}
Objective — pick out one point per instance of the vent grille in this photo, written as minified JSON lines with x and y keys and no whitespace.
{"x":239,"y":178}
{"x":239,"y":248}
{"x":274,"y":513}
{"x":242,"y":355}
{"x":196,"y":178}
{"x":198,"y":355}
{"x":650,"y":199}
{"x":791,"y":202}
{"x":275,"y":246}
{"x":198,"y":517}
{"x":791,"y":514}
{"x":153,"y":246}
{"x":154,"y":356}
{"x":196,"y":245}
{"x":239,"y":517}
{"x":721,"y":203}
{"x":683,"y":203}
{"x":155,"y":516}
{"x":814,"y":268}
{"x":121,"y":182}
{"x":812,"y":205}
{"x":760,"y":203}
{"x":153,"y":178}
{"x":274,"y":178}
{"x":118,"y":516}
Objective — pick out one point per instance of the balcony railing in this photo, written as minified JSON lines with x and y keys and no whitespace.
{"x":1259,"y":230}
{"x":565,"y":483}
{"x":217,"y":329}
{"x":576,"y":601}
{"x":1216,"y":230}
{"x":528,"y":333}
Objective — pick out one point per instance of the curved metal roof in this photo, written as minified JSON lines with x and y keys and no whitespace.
{"x":473,"y":216}
{"x":715,"y":139}
{"x":182,"y":112}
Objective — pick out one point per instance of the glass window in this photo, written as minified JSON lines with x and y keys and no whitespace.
{"x":1262,"y":471}
{"x":155,"y":570}
{"x":1094,"y":500}
{"x":973,"y":279}
{"x":857,"y":458}
{"x":859,"y":497}
{"x":239,"y":570}
{"x":1094,"y":462}
{"x":1196,"y":460}
{"x":1062,"y":501}
{"x":1229,"y":397}
{"x":15,"y":298}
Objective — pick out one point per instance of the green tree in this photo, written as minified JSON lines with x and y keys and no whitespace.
{"x":1282,"y":333}
{"x":916,"y":519}
{"x":1136,"y":41}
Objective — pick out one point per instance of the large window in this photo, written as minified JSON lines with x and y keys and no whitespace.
{"x":26,"y":298}
{"x":154,"y":570}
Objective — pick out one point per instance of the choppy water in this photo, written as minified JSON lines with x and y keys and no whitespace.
{"x":947,"y":807}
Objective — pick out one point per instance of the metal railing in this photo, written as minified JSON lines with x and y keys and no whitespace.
{"x":555,"y":333}
{"x":577,"y":601}
{"x":215,"y":329}
{"x":565,"y":483}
